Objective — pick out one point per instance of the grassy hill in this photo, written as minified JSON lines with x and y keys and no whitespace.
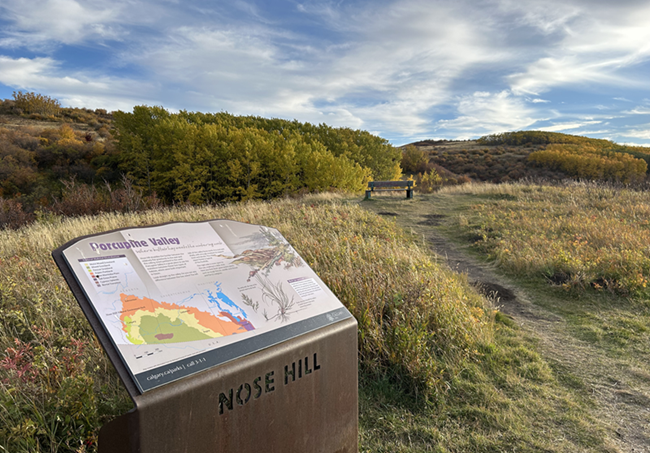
{"x":51,"y":154}
{"x":534,"y":155}
{"x":72,"y":161}
{"x":569,"y":266}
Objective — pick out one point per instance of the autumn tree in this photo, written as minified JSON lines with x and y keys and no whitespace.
{"x":36,"y":103}
{"x":414,"y":160}
{"x":201,"y":158}
{"x":591,"y":163}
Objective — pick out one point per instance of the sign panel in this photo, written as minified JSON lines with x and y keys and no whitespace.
{"x":179,"y":298}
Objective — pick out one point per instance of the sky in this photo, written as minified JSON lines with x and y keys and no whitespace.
{"x":406,"y":70}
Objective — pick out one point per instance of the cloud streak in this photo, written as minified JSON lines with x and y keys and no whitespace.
{"x":404,"y":69}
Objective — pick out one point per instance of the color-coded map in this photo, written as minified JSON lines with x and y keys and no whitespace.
{"x":147,"y":321}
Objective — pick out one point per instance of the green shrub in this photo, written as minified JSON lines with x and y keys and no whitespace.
{"x":428,"y":181}
{"x":205,"y":158}
{"x":414,"y":160}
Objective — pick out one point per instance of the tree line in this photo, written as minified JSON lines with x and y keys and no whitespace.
{"x":591,"y":163}
{"x":522,"y":138}
{"x":580,"y":157}
{"x":204,"y":157}
{"x":162,"y":157}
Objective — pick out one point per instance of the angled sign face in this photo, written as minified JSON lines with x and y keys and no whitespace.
{"x":172,"y":300}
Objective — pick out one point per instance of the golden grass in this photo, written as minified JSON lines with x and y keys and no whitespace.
{"x":418,"y":323}
{"x":577,"y":235}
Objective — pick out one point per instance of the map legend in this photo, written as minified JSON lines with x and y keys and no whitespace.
{"x":106,"y":271}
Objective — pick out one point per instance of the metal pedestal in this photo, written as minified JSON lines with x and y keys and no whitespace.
{"x":298,"y":396}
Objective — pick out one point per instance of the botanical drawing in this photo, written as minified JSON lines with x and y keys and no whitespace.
{"x":263,"y":260}
{"x":274,"y":297}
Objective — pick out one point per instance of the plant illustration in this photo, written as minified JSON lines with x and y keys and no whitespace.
{"x":274,"y":295}
{"x":262,"y":260}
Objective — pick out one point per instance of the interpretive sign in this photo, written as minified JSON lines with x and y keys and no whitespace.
{"x":224,"y":337}
{"x":179,"y":298}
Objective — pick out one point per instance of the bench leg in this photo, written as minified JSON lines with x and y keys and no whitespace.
{"x":409,"y":194}
{"x":368,"y":192}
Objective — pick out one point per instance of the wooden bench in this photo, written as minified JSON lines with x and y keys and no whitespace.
{"x":389,"y":186}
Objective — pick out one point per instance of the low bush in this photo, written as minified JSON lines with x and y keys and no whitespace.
{"x":414,"y":160}
{"x":36,"y":104}
{"x":84,"y":199}
{"x":12,"y":214}
{"x":428,"y":181}
{"x":586,"y":162}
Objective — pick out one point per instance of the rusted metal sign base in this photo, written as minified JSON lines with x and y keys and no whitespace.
{"x":298,"y":396}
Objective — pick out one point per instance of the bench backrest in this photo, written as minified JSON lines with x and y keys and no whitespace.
{"x":377,"y":184}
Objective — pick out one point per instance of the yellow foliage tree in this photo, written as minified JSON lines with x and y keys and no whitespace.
{"x":589,"y":162}
{"x":428,"y":181}
{"x":36,"y":103}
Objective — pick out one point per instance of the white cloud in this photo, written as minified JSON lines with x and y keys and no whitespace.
{"x":23,"y":72}
{"x":565,"y":71}
{"x":557,"y":127}
{"x":47,"y":22}
{"x":234,"y":70}
{"x":643,"y":132}
{"x":388,"y":66}
{"x":638,"y":111}
{"x":388,"y":77}
{"x":541,"y":16}
{"x":43,"y":74}
{"x":594,"y":44}
{"x":489,"y":113}
{"x":645,"y":145}
{"x":591,"y":133}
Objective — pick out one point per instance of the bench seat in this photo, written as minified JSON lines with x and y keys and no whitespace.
{"x":389,"y":186}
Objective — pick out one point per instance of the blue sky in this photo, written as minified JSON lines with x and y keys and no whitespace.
{"x":405,"y":70}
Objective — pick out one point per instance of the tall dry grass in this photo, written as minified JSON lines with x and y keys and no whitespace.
{"x":578,"y":235}
{"x":418,"y":323}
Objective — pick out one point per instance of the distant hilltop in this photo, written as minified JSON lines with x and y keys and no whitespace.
{"x":512,"y":156}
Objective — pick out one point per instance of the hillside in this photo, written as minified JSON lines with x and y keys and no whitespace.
{"x":499,"y":163}
{"x":447,"y":363}
{"x":73,"y":161}
{"x":440,"y":368}
{"x":57,"y":386}
{"x":535,"y":155}
{"x":65,"y":161}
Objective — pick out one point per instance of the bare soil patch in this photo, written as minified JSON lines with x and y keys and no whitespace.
{"x":495,"y":291}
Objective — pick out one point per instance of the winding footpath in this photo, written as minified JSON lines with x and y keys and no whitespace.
{"x":622,"y":406}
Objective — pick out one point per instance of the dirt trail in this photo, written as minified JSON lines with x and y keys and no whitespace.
{"x":18,"y":122}
{"x":624,"y":408}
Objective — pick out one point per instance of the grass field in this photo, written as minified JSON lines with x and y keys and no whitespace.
{"x":587,"y":244}
{"x":440,"y":369}
{"x":419,"y":324}
{"x":576,"y":255}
